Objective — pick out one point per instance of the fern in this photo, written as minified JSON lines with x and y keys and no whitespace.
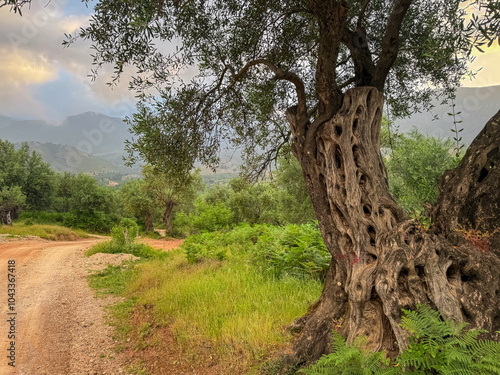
{"x":436,"y":347}
{"x":445,"y":347}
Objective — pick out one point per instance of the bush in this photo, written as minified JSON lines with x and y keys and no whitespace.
{"x":296,"y":250}
{"x":125,"y":232}
{"x":137,"y":249}
{"x":96,"y":222}
{"x":211,"y":217}
{"x":415,"y":166}
{"x":208,"y":218}
{"x":123,"y":242}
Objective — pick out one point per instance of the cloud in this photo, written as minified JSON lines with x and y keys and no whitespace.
{"x":19,"y":69}
{"x":487,"y":65}
{"x":36,"y":69}
{"x":41,"y":79}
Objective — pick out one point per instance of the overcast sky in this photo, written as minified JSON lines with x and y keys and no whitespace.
{"x":39,"y":79}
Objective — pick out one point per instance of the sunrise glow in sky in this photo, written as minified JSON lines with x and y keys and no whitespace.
{"x":39,"y":79}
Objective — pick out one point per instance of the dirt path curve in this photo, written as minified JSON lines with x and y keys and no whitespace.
{"x":60,"y":328}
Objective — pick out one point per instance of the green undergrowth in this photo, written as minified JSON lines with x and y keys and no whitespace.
{"x":114,"y":280}
{"x":232,"y":305}
{"x":437,"y":346}
{"x":293,"y":250}
{"x":137,"y":249}
{"x":48,"y":232}
{"x":124,"y":242}
{"x":227,"y":304}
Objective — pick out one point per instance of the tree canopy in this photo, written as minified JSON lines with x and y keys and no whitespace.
{"x":254,"y":61}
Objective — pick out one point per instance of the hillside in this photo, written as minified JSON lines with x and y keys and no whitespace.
{"x":90,"y":132}
{"x":98,"y":141}
{"x":64,"y":158}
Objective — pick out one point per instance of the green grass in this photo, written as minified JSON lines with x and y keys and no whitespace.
{"x":113,"y":280}
{"x":115,"y":247}
{"x":49,"y":232}
{"x":237,"y":310}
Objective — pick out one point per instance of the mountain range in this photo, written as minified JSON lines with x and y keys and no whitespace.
{"x":89,"y":142}
{"x":94,"y":143}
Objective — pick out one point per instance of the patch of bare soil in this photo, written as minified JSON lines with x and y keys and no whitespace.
{"x":60,"y":329}
{"x":161,"y":354}
{"x":163,"y":244}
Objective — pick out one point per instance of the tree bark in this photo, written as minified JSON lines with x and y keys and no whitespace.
{"x":167,"y":218}
{"x":470,"y":194}
{"x":6,"y":218}
{"x":148,"y":220}
{"x":382,"y":261}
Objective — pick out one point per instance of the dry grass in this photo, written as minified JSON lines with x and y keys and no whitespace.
{"x":48,"y":232}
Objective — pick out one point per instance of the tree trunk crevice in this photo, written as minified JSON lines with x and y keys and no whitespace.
{"x":382,"y":262}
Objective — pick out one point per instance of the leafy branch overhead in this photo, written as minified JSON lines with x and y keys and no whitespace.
{"x":211,"y":71}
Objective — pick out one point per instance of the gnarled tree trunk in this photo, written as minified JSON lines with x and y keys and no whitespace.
{"x":382,"y":261}
{"x":6,"y":217}
{"x":470,"y":195}
{"x":167,"y":218}
{"x":148,"y":220}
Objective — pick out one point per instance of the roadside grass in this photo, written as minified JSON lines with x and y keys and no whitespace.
{"x":113,"y":280}
{"x":48,"y":232}
{"x":231,"y":307}
{"x":115,"y":247}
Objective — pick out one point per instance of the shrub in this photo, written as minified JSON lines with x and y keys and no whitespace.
{"x":123,"y":241}
{"x":97,"y":222}
{"x":294,"y":250}
{"x":211,"y":217}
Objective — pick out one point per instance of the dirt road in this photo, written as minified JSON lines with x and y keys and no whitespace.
{"x":59,"y":326}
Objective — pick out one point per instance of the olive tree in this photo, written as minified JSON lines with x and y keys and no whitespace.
{"x":315,"y":74}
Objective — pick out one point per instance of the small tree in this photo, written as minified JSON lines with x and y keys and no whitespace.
{"x":138,"y":202}
{"x":170,"y":190}
{"x":20,"y":169}
{"x":415,"y":165}
{"x":10,"y":198}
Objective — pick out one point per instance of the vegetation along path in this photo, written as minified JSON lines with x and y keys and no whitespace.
{"x":60,"y":327}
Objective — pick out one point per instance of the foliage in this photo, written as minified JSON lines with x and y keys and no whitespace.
{"x":211,"y":217}
{"x":86,"y":196}
{"x":254,"y":60}
{"x":124,"y":241}
{"x":294,"y":205}
{"x":170,"y":191}
{"x":95,"y":222}
{"x":25,"y":180}
{"x":39,"y":185}
{"x":436,"y":347}
{"x":11,"y":197}
{"x":230,"y":306}
{"x":283,"y":200}
{"x":44,"y":217}
{"x":415,"y":164}
{"x":348,"y":359}
{"x":138,"y":203}
{"x":126,"y":232}
{"x":445,"y":346}
{"x":292,"y":250}
{"x":137,"y":249}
